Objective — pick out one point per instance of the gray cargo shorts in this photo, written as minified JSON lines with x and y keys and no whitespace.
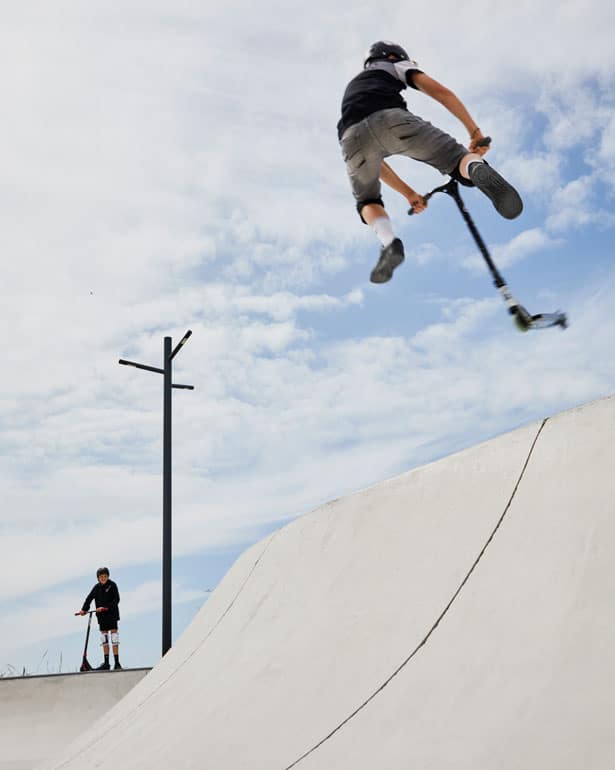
{"x":393,"y":132}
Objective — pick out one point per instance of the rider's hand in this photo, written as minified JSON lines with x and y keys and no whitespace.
{"x":417,"y":202}
{"x":101,"y":609}
{"x":81,"y":612}
{"x":475,"y":139}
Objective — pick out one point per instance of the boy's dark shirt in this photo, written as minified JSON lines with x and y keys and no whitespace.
{"x":106,"y":595}
{"x":377,"y":88}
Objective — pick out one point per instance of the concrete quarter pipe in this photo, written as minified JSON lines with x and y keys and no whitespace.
{"x":456,"y":617}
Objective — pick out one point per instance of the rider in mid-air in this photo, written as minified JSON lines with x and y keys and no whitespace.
{"x":376,"y":123}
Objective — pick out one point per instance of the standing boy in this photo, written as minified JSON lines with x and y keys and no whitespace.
{"x":106,"y":599}
{"x":376,"y":123}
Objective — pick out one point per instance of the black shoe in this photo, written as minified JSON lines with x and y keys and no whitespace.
{"x":116,"y":665}
{"x":503,"y":195}
{"x":391,"y":256}
{"x":103,"y":666}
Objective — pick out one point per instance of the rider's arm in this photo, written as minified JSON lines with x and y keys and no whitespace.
{"x":389,"y":177}
{"x":448,"y":99}
{"x":88,"y":600}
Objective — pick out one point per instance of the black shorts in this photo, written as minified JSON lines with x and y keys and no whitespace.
{"x":107,"y":622}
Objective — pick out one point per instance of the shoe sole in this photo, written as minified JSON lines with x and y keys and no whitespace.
{"x":503,"y":195}
{"x":383,"y":273}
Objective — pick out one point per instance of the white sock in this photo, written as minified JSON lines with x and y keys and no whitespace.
{"x":468,"y":164}
{"x":384,"y":230}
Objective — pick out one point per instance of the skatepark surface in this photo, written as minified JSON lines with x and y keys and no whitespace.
{"x":456,"y":617}
{"x":40,"y":715}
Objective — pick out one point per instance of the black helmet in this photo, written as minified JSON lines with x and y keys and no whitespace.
{"x":382,"y":50}
{"x":102,"y":571}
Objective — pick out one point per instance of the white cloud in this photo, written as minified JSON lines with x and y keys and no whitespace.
{"x":606,"y":150}
{"x":424,"y":253}
{"x":536,"y":174}
{"x":520,"y":247}
{"x":574,"y":206}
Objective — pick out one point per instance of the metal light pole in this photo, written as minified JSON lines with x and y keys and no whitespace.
{"x":167,"y":529}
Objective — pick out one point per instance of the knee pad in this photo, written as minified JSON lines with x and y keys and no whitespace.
{"x":360,"y":205}
{"x":104,"y":638}
{"x":115,"y":638}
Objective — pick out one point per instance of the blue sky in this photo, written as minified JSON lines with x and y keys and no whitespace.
{"x":173,"y":168}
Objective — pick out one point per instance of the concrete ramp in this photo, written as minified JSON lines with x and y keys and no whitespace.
{"x":40,"y":715}
{"x":458,"y":616}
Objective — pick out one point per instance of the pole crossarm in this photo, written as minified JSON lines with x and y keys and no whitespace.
{"x":153,"y":369}
{"x":140,"y":366}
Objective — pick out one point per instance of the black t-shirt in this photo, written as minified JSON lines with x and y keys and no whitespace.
{"x":106,"y":595}
{"x":377,"y":88}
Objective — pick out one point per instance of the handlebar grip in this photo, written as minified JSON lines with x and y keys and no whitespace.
{"x":425,"y":199}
